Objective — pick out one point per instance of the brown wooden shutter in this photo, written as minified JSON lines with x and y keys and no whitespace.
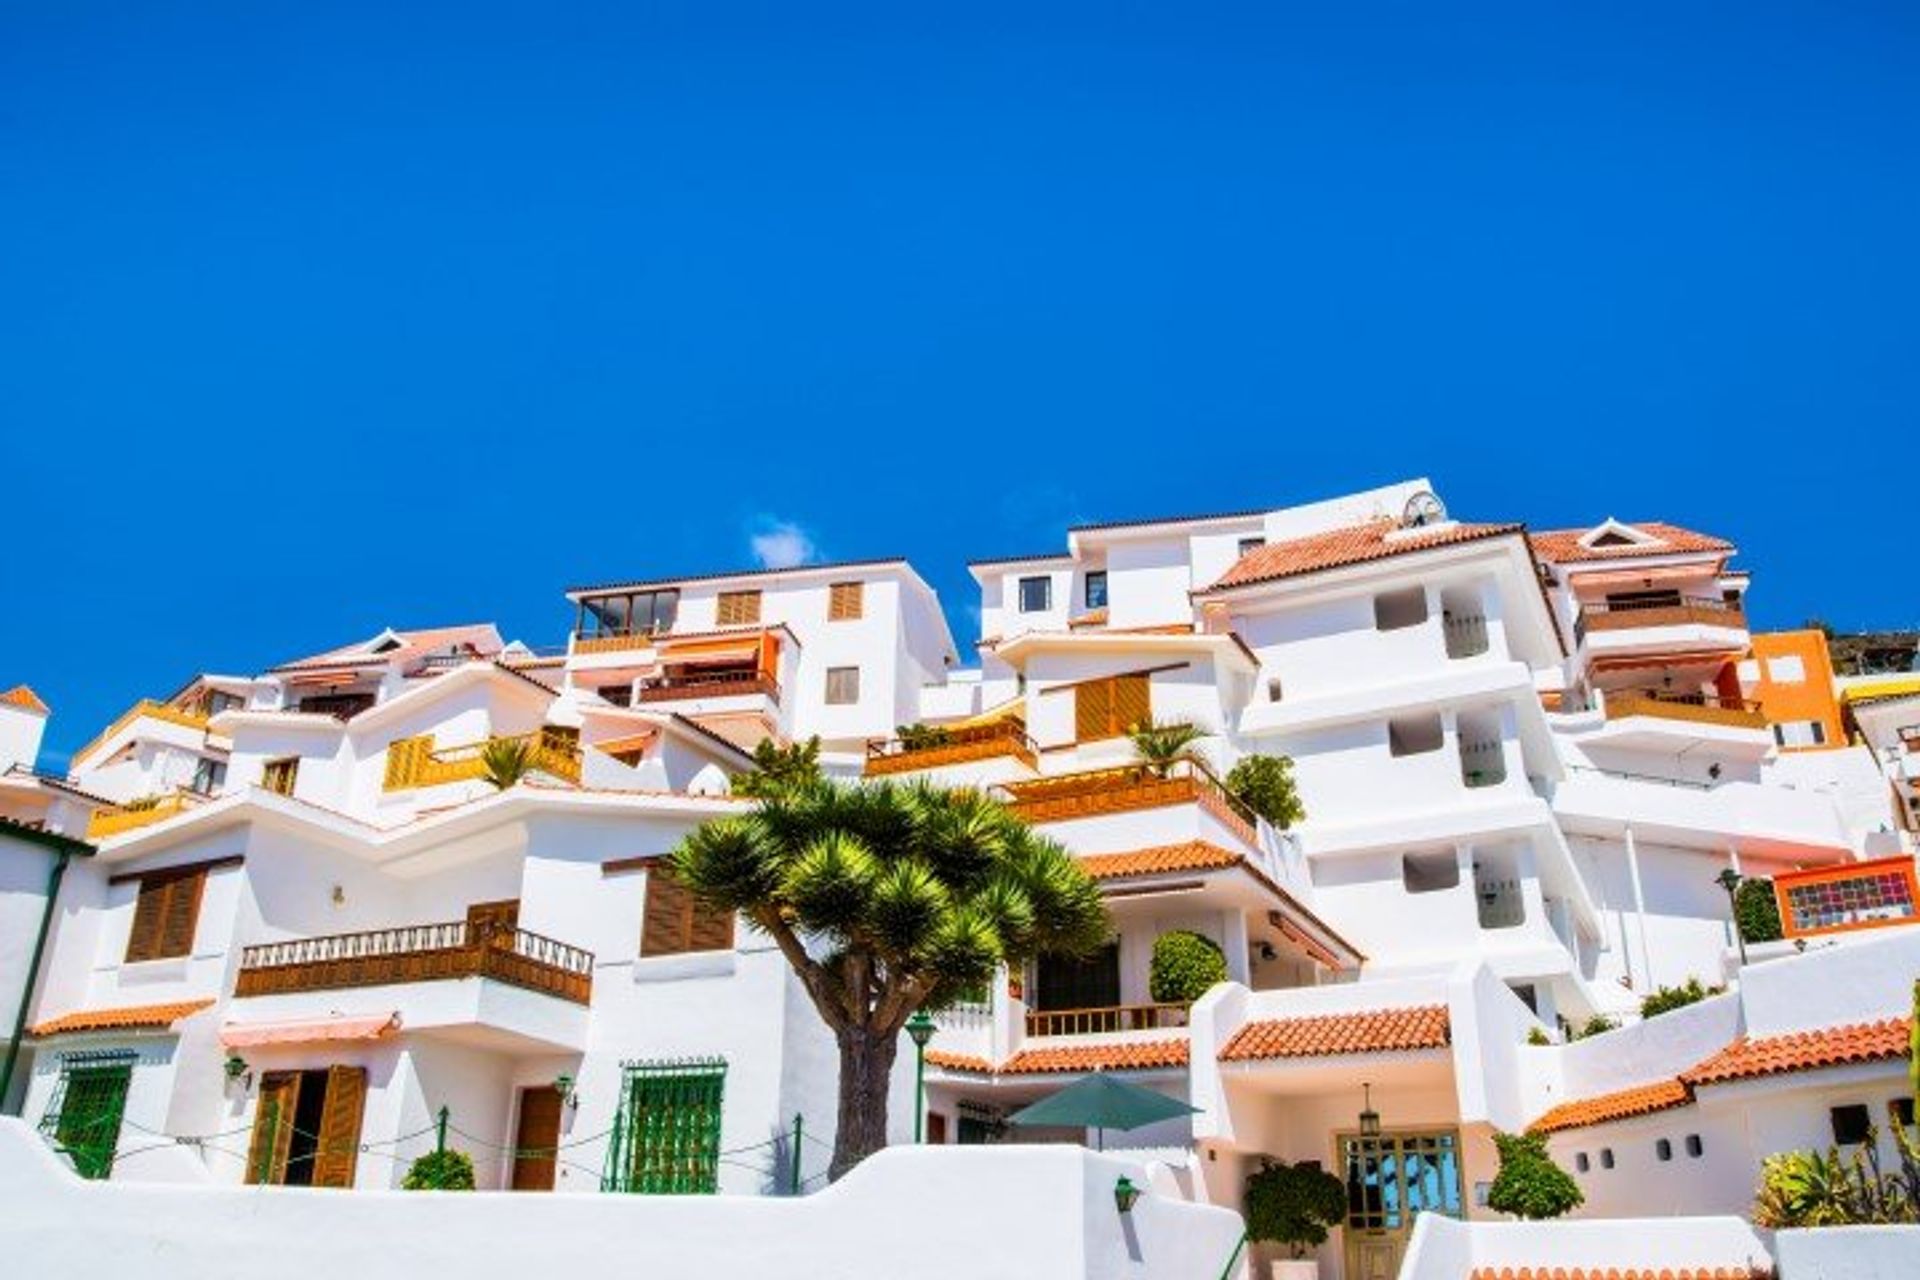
{"x":1132,"y":703}
{"x":339,"y":1146}
{"x":273,"y":1124}
{"x":165,"y":915}
{"x":739,"y":608}
{"x":709,"y":930}
{"x":845,"y":601}
{"x":674,"y":921}
{"x":1108,"y":708}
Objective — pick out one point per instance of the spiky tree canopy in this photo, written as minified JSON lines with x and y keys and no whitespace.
{"x":912,"y":893}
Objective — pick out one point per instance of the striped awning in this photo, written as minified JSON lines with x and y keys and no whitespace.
{"x":249,"y":1035}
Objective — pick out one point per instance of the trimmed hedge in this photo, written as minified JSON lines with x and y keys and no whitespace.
{"x":1186,"y":965}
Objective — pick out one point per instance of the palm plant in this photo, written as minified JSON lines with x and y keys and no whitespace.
{"x":504,"y":761}
{"x":885,"y":899}
{"x":1160,"y":745}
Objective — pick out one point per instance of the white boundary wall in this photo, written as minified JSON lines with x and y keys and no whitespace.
{"x":1446,"y":1249}
{"x":974,"y":1213}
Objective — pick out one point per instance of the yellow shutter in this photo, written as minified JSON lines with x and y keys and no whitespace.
{"x":338,"y":1150}
{"x":404,"y":758}
{"x":845,"y":601}
{"x":739,"y":608}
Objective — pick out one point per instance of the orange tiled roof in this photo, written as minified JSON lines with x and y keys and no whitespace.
{"x":1136,"y":1055}
{"x":1640,"y":1100}
{"x":1190,"y":855}
{"x":1354,"y":544}
{"x":1563,"y":546}
{"x":1803,"y":1051}
{"x":1742,"y":1272}
{"x":139,"y":1017}
{"x":412,"y":643}
{"x":21,"y":696}
{"x":1373,"y":1031}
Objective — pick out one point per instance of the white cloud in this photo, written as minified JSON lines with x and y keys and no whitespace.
{"x":781,"y":544}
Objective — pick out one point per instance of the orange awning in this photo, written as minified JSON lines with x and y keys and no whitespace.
{"x":1637,"y":577}
{"x":623,"y":745}
{"x":249,"y":1035}
{"x":323,"y":679}
{"x":710,"y":655}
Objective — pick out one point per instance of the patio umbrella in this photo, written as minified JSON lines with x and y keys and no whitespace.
{"x":1100,"y":1102}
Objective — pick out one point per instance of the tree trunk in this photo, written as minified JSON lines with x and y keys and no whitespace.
{"x":866,"y":1069}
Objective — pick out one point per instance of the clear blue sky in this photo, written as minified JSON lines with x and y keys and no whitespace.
{"x":314,"y":320}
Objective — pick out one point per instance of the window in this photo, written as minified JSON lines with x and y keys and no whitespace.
{"x":1415,"y":735}
{"x":843,"y":686}
{"x":1850,"y":1123}
{"x":165,"y":913}
{"x":845,"y":601}
{"x":1430,"y":872}
{"x":1275,"y":690}
{"x":1581,"y":1163}
{"x":1108,"y":708}
{"x":674,"y":922}
{"x":280,"y":775}
{"x":83,"y":1115}
{"x":1036,"y":595}
{"x":1606,"y":1157}
{"x":1900,"y":1111}
{"x":1664,"y":598}
{"x":1787,"y":670}
{"x":629,"y":613}
{"x":620,"y":695}
{"x":1251,"y":544}
{"x":1800,"y":733}
{"x":1096,"y":589}
{"x":209,"y":776}
{"x":738,"y":608}
{"x":1397,"y":609}
{"x":666,"y":1135}
{"x":306,"y":1129}
{"x":1663,"y":1150}
{"x":1695,"y":1148}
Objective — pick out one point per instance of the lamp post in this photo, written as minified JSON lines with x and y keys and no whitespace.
{"x":1729,"y":879}
{"x":919,"y":1030}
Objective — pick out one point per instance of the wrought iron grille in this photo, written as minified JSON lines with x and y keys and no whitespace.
{"x":83,"y":1115}
{"x":666,"y":1135}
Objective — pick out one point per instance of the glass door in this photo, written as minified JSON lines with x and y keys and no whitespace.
{"x":1392,"y":1179}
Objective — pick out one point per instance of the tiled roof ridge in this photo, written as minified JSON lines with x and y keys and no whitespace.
{"x":128,"y":1017}
{"x":1400,"y":1029}
{"x":1741,"y":1271}
{"x":23,"y":696}
{"x":1346,"y":545}
{"x":1809,"y":1049}
{"x":1618,"y":1104}
{"x":1119,"y":1055}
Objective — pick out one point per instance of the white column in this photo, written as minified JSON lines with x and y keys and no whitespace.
{"x":1233,"y":936}
{"x":1639,"y":911}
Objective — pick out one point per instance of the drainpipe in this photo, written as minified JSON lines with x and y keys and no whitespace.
{"x":1639,"y":909}
{"x":63,"y":854}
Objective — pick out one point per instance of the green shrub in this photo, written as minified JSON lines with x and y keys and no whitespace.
{"x":1667,"y":999}
{"x":1530,"y":1185}
{"x":1598,"y":1024}
{"x":1537,"y":1036}
{"x":1186,"y":965}
{"x":920,"y":737}
{"x":1294,"y":1205}
{"x":1755,"y":911}
{"x":1265,"y":785}
{"x":440,"y":1171}
{"x":1808,"y":1189}
{"x":779,"y":771}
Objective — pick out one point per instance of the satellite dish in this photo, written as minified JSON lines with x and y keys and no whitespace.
{"x":1422,"y":509}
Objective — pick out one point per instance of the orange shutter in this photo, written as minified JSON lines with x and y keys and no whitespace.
{"x":845,"y":601}
{"x":1108,"y":708}
{"x":739,"y":608}
{"x":339,"y":1144}
{"x":1132,"y":703}
{"x":273,"y":1127}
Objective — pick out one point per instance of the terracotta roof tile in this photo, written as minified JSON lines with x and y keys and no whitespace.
{"x":140,"y":1017}
{"x":412,"y":644}
{"x":1563,"y":546}
{"x":1134,"y":1055}
{"x":1640,"y":1100}
{"x":21,"y":696}
{"x":958,"y":1062}
{"x":1747,"y":1058}
{"x":1372,"y":1031}
{"x":1355,"y":544}
{"x":1741,"y":1272}
{"x":1190,"y":855}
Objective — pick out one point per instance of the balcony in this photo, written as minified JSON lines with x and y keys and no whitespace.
{"x":413,"y":762}
{"x":1641,"y":616}
{"x":1105,"y":1021}
{"x":934,"y":747}
{"x":729,"y":683}
{"x":135,"y":814}
{"x":417,"y":953}
{"x":1697,"y":708}
{"x":147,"y":709}
{"x":613,"y":641}
{"x":1101,"y":792}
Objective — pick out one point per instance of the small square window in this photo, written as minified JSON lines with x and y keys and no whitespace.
{"x":843,"y":686}
{"x":1663,"y":1150}
{"x":1096,"y":589}
{"x":1695,"y":1149}
{"x":1606,"y":1157}
{"x":1036,"y":595}
{"x":1251,"y":544}
{"x":1581,"y":1163}
{"x":846,"y":601}
{"x":1850,"y":1123}
{"x":1275,"y":690}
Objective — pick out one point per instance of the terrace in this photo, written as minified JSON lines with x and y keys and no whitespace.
{"x":935,"y":746}
{"x":473,"y":948}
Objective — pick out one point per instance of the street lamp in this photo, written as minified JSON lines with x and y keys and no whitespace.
{"x":1729,"y":879}
{"x":919,"y":1030}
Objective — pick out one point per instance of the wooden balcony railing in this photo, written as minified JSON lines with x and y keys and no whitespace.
{"x":1091,"y":1022}
{"x":413,"y":762}
{"x":131,"y":817}
{"x":614,"y":641}
{"x":1698,"y":707}
{"x":942,"y":746}
{"x":709,"y":684}
{"x":417,"y":953}
{"x":1097,"y":792}
{"x":1625,"y":617}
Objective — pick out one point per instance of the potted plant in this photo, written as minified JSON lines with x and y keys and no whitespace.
{"x":1294,"y":1205}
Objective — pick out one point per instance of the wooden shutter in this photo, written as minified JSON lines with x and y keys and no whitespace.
{"x":674,"y":922}
{"x":845,"y":601}
{"x":1108,"y":708}
{"x":273,"y":1128}
{"x":1132,"y":703}
{"x":739,"y":608}
{"x":280,"y":775}
{"x":339,"y":1145}
{"x":165,"y":914}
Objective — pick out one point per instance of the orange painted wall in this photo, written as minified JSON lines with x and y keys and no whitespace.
{"x":1809,"y":699}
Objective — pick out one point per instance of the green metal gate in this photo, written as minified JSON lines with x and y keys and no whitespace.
{"x":666,"y":1135}
{"x":83,"y":1115}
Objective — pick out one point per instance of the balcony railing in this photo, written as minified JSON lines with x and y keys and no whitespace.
{"x":942,"y":746}
{"x":413,"y":762}
{"x":1098,"y":792}
{"x":137,"y":814}
{"x":1091,"y":1022}
{"x":147,"y":709}
{"x":614,"y":641}
{"x":417,"y":953}
{"x":1702,"y":708}
{"x":1628,"y":616}
{"x":709,"y":684}
{"x":1466,"y":635}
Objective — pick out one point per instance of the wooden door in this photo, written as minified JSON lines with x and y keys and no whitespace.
{"x":337,"y":1151}
{"x":272,"y":1139}
{"x":493,"y":922}
{"x":535,"y":1142}
{"x":936,"y":1129}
